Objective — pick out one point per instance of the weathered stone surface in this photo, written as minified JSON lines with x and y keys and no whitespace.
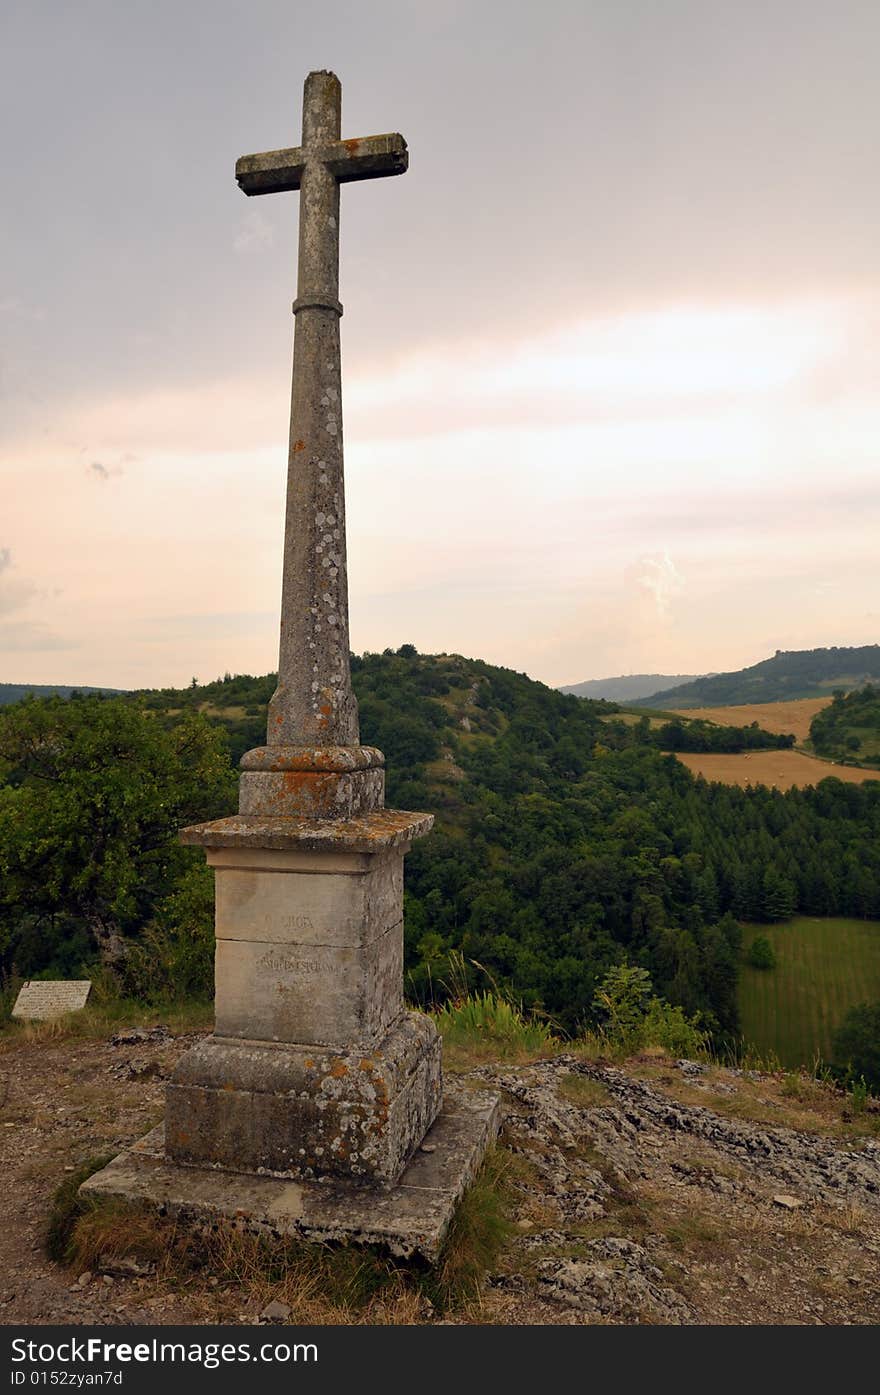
{"x":305,"y":955}
{"x":619,"y":1280}
{"x":277,"y":171}
{"x":311,"y":794}
{"x":386,"y":828}
{"x":349,"y":903}
{"x":39,"y":1000}
{"x":341,"y":759}
{"x":411,"y":1217}
{"x":306,"y":1112}
{"x":311,"y":993}
{"x":640,"y":1119}
{"x":332,"y":782}
{"x":314,"y":702}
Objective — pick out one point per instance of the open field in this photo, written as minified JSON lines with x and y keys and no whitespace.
{"x":782,"y":770}
{"x":822,"y":968}
{"x":780,"y":717}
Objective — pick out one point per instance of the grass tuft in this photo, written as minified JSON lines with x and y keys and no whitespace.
{"x":321,"y":1283}
{"x":486,"y":1026}
{"x":583,"y":1091}
{"x":67,"y":1210}
{"x":481,"y":1226}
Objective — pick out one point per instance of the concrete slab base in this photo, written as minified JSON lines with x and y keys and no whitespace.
{"x":409,"y":1218}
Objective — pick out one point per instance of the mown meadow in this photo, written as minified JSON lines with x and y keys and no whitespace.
{"x":823,"y":967}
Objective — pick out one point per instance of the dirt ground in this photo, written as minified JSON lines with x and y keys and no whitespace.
{"x":660,"y":1192}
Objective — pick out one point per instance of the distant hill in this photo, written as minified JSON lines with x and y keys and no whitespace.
{"x":796,"y":673}
{"x":14,"y":692}
{"x":628,"y":686}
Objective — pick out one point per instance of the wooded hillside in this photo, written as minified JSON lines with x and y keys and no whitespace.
{"x":565,"y":841}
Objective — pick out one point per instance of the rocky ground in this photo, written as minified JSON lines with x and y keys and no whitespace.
{"x":660,"y":1192}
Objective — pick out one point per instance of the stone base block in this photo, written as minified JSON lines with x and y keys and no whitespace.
{"x":306,"y":1111}
{"x":410,"y":1218}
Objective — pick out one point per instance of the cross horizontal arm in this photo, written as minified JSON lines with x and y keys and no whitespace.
{"x":274,"y":171}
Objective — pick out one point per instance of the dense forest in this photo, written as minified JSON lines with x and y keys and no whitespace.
{"x":695,"y":735}
{"x":797,"y":674}
{"x":566,"y":841}
{"x":849,"y":728}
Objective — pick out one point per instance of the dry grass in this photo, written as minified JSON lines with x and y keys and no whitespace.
{"x":782,"y":770}
{"x":101,"y":1019}
{"x":582,"y":1091}
{"x":695,"y":1232}
{"x":782,"y":1100}
{"x":779,"y":717}
{"x":321,"y":1284}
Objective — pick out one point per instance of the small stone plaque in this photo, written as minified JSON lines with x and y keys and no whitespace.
{"x":44,"y":998}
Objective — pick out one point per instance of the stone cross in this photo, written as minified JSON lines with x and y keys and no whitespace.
{"x":314,"y":704}
{"x":316,"y":1070}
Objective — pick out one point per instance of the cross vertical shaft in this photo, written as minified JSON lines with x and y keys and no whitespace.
{"x":313,"y":764}
{"x":314,"y":703}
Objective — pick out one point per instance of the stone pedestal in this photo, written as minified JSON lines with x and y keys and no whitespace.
{"x":314,"y":1111}
{"x":315,"y":1068}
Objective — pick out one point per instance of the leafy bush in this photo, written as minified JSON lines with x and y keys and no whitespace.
{"x":634,"y":1017}
{"x":856,"y":1048}
{"x":173,"y":959}
{"x":671,"y":1028}
{"x":623,"y":998}
{"x":93,"y":792}
{"x":761,"y":955}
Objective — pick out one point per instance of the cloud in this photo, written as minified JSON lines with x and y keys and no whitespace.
{"x":104,"y":472}
{"x":15,"y":592}
{"x":673,"y":361}
{"x":15,"y":308}
{"x":658,"y":576}
{"x":256,"y":233}
{"x":31,"y":636}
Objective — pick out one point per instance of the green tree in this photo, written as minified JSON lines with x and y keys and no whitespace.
{"x":623,"y":997}
{"x":761,"y":954}
{"x":779,"y":898}
{"x":856,"y":1047}
{"x":94,"y":793}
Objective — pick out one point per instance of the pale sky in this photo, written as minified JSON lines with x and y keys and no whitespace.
{"x":610,"y":347}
